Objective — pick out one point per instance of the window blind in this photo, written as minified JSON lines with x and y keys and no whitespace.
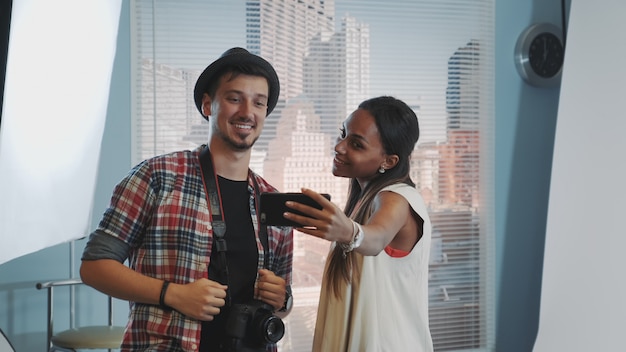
{"x":436,"y":55}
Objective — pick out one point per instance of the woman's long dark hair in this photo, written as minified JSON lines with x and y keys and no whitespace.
{"x":399,"y":131}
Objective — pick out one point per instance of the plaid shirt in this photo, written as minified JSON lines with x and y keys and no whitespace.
{"x":160,"y":210}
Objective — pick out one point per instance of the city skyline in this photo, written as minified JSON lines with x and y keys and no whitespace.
{"x":420,"y":63}
{"x":299,"y":134}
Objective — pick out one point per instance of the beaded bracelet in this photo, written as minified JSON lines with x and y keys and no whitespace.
{"x":355,"y":242}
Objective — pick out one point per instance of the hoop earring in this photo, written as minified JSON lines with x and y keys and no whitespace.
{"x":381,"y":170}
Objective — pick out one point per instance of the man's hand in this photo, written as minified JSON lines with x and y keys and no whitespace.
{"x":271,"y":289}
{"x":201,"y":299}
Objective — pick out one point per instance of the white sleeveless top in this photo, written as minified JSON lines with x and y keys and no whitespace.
{"x":389,"y":305}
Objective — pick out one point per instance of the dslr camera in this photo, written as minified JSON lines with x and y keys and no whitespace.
{"x":250,"y":327}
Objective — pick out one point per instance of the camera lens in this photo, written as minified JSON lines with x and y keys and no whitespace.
{"x":274,"y":329}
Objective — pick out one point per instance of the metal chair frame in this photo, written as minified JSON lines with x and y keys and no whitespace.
{"x":114,"y":332}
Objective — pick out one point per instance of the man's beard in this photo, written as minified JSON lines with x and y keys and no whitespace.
{"x":243,"y":146}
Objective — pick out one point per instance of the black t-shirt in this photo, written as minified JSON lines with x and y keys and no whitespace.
{"x":241,"y":258}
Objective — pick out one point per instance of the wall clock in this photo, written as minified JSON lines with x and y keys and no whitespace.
{"x":539,"y":55}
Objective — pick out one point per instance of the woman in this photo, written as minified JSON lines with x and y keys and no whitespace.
{"x":375,"y":289}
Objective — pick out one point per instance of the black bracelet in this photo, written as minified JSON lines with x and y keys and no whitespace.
{"x":162,"y":297}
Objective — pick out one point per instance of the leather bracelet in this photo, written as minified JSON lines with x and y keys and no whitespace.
{"x":162,"y":296}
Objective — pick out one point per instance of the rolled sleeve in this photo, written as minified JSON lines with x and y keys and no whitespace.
{"x":103,"y":246}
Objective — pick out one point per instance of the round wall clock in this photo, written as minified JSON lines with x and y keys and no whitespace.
{"x":539,"y":55}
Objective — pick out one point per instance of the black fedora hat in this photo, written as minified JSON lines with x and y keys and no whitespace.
{"x":236,"y":57}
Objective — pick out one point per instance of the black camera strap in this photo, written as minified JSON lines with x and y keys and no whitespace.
{"x":217,"y":221}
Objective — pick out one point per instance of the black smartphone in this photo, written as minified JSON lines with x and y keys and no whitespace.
{"x":272,"y":206}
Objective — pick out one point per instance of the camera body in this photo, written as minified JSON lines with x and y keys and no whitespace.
{"x":251,"y":326}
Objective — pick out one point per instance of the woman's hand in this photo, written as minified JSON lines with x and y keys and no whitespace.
{"x":329,"y":223}
{"x":391,"y":216}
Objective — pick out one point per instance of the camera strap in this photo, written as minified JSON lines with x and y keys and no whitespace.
{"x":217,"y":221}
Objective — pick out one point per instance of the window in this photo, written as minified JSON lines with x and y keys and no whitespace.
{"x":437,"y":55}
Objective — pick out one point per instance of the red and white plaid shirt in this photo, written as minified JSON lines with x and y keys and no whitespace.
{"x":160,"y":210}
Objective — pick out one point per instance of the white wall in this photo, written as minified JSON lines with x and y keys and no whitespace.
{"x":584,"y":283}
{"x":55,"y":100}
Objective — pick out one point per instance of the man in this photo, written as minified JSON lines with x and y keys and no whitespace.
{"x":184,"y":275}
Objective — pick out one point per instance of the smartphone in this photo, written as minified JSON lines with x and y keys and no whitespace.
{"x":272,"y":206}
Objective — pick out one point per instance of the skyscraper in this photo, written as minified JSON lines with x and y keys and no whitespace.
{"x":314,"y":62}
{"x":324,"y":74}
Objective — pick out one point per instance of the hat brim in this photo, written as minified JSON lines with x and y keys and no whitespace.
{"x":238,"y":57}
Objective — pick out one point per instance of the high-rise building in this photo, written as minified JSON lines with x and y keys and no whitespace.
{"x":455,"y":268}
{"x":169,"y":87}
{"x":314,"y":61}
{"x":281,"y":32}
{"x":459,"y":165}
{"x":454,"y":278}
{"x":323,"y":75}
{"x":336,"y":73}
